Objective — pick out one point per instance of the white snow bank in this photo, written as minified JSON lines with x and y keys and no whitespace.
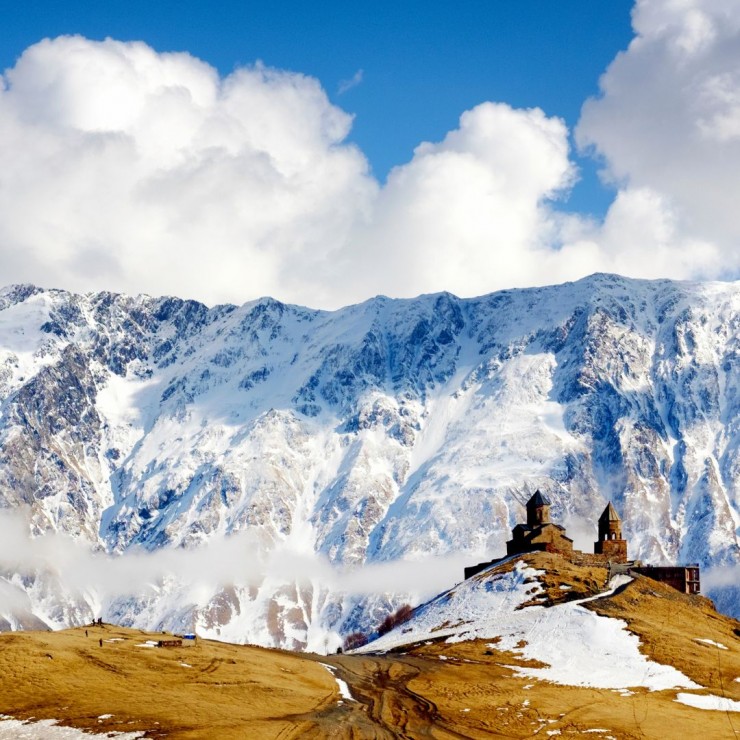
{"x":710,"y":642}
{"x":48,"y":729}
{"x":343,"y":688}
{"x":709,"y":701}
{"x":579,"y":647}
{"x":147,"y":644}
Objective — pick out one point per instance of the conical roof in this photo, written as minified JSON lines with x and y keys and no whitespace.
{"x":538,"y":500}
{"x":609,"y":514}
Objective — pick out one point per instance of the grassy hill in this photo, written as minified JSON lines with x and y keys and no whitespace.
{"x":484,"y":687}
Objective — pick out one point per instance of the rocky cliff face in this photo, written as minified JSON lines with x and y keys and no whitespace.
{"x":394,"y":429}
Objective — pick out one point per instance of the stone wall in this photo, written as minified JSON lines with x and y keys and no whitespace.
{"x":589,"y":559}
{"x":615,"y":550}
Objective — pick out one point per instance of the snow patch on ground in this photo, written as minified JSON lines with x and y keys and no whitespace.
{"x":48,"y":729}
{"x":601,"y":654}
{"x":343,"y":688}
{"x":711,"y":642}
{"x":709,"y":701}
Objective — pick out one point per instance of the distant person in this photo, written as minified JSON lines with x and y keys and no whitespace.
{"x":101,"y":642}
{"x":85,"y":633}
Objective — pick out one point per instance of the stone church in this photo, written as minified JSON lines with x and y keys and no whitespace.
{"x":540,"y":534}
{"x":610,"y":543}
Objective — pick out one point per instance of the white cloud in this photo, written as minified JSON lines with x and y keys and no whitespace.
{"x":132,"y":170}
{"x":77,"y":569}
{"x":125,"y":169}
{"x":640,"y":237}
{"x":468,"y":214}
{"x":346,"y":85}
{"x":668,"y":122}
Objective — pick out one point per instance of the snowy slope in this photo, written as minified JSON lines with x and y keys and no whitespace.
{"x":600,"y":652}
{"x":391,"y":429}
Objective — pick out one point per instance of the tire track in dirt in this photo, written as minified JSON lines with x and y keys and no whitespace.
{"x":212,"y":666}
{"x":384,"y":704}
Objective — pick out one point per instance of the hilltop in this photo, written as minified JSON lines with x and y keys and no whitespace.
{"x":532,"y":646}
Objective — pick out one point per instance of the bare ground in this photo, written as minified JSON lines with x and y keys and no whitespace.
{"x":436,"y":690}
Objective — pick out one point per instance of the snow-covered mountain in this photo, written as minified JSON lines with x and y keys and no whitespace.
{"x":394,"y":429}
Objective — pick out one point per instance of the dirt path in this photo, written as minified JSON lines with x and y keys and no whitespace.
{"x":385,"y":706}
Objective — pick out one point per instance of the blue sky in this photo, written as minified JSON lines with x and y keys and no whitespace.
{"x":422,"y":63}
{"x":394,"y":148}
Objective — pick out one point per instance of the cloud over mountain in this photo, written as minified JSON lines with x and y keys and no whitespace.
{"x":668,"y":126}
{"x":132,"y":170}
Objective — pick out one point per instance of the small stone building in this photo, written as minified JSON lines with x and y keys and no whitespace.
{"x":539,"y":533}
{"x":684,"y":578}
{"x":610,"y":542}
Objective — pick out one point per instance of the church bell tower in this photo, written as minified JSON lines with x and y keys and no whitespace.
{"x":610,"y":541}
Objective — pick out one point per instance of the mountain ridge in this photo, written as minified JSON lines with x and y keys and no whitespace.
{"x":394,"y":428}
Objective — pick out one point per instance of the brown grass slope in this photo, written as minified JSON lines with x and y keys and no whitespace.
{"x":228,"y":691}
{"x":438,"y":690}
{"x":478,"y":695}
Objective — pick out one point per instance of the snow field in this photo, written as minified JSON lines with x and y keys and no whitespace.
{"x":601,"y":652}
